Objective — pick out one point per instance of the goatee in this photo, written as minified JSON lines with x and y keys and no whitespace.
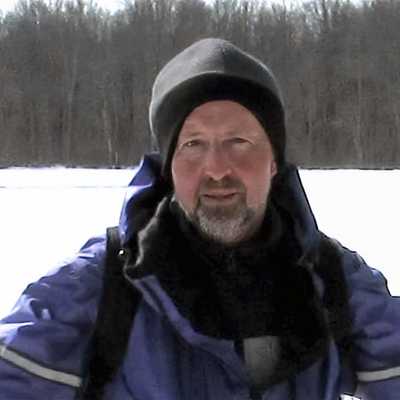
{"x":226,"y":224}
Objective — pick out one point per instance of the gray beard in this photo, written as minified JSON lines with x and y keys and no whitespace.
{"x":227,"y":225}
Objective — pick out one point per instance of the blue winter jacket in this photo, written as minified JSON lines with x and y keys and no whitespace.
{"x":44,"y":339}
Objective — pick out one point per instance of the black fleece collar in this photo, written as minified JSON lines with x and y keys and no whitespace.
{"x":255,"y":290}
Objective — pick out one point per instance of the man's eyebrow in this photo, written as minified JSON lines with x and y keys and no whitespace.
{"x":189,"y":133}
{"x":242,"y":132}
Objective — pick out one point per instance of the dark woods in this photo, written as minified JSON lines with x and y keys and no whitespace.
{"x":75,"y":81}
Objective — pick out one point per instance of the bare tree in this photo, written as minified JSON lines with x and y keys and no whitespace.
{"x":75,"y":80}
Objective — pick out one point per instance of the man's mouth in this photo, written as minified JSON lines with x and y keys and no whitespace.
{"x":220,"y":196}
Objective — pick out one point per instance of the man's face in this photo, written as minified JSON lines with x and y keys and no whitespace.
{"x":222,"y":169}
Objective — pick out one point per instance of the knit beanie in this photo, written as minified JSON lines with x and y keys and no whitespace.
{"x":208,"y":70}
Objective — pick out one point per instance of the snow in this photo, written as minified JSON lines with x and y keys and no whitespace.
{"x":47,"y":214}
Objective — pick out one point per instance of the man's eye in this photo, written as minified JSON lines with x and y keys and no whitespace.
{"x":191,"y":143}
{"x":239,"y":140}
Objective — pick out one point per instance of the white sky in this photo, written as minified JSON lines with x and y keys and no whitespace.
{"x":112,"y":5}
{"x":47,"y":214}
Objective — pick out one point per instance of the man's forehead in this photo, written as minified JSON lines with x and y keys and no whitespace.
{"x":227,"y":115}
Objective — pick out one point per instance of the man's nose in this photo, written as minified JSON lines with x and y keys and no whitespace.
{"x":216,"y":163}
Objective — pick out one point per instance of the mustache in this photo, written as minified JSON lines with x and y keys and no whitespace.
{"x":226,"y":183}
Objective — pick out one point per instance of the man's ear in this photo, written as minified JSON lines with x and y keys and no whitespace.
{"x":274,"y":168}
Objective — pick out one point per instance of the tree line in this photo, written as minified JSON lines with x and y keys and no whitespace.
{"x":75,"y":80}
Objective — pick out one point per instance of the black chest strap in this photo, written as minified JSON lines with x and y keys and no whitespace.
{"x":117,"y":307}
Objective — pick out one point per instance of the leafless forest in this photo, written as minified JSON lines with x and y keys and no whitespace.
{"x":75,"y":81}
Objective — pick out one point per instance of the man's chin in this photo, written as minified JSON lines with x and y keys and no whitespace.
{"x":226,"y":224}
{"x":222,"y":228}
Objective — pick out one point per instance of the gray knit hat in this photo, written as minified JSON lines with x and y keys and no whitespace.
{"x":214,"y":69}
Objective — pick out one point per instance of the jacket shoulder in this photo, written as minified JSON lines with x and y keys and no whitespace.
{"x":43,"y":339}
{"x":375,"y":328}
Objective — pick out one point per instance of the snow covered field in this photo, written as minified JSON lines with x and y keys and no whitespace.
{"x":47,"y":214}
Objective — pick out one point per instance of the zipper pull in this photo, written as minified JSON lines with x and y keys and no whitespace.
{"x":231,"y":263}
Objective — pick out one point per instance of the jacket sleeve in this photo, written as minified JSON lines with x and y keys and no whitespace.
{"x":43,"y":340}
{"x":376,"y":332}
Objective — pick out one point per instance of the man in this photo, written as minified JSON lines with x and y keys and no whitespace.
{"x":229,"y":291}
